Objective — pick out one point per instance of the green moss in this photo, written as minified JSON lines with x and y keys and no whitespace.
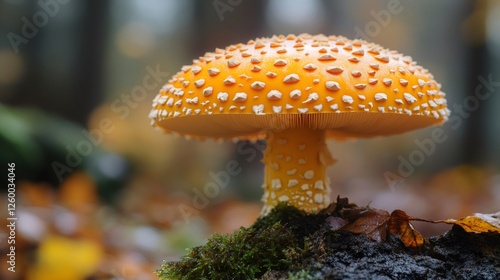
{"x":273,"y":242}
{"x":246,"y":254}
{"x":298,"y":221}
{"x":301,"y":275}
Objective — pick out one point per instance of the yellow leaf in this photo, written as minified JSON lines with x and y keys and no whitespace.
{"x":62,"y":258}
{"x":480,"y":223}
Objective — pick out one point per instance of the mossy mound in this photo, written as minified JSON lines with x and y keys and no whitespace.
{"x":290,"y":244}
{"x":273,"y":242}
{"x":245,"y":253}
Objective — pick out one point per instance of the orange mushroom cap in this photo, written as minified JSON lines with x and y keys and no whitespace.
{"x":351,"y":88}
{"x":299,"y":90}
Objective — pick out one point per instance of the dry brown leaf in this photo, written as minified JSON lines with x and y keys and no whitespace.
{"x":479,"y":223}
{"x":339,"y":206}
{"x":372,"y":222}
{"x":399,"y":223}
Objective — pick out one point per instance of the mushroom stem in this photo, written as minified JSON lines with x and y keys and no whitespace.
{"x":295,"y":169}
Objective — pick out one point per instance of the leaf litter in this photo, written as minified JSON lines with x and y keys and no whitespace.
{"x":377,"y":223}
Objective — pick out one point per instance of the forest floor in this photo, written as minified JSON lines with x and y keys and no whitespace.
{"x":343,"y":241}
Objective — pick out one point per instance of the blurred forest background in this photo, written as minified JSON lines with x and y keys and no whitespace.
{"x":102,"y":195}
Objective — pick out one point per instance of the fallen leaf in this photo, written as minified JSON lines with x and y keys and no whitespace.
{"x":342,"y":202}
{"x":335,"y":223}
{"x":493,"y":219}
{"x":338,"y":206}
{"x":399,"y":223}
{"x":478,"y":223}
{"x":78,"y":192}
{"x":56,"y":259}
{"x":372,"y":222}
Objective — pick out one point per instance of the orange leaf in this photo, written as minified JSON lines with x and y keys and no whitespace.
{"x":371,"y":222}
{"x":479,"y":223}
{"x":399,"y":223}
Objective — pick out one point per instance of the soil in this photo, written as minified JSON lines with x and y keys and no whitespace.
{"x":454,"y":255}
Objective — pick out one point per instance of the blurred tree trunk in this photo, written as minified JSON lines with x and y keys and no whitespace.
{"x":64,"y":58}
{"x":475,"y":144}
{"x":89,"y":85}
{"x":220,"y":22}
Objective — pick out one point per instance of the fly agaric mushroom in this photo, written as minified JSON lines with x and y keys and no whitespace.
{"x":299,"y":90}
